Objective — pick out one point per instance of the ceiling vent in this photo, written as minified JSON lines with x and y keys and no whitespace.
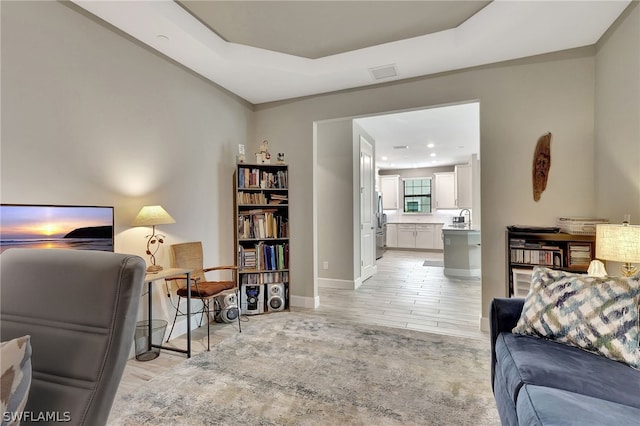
{"x":401,"y":147}
{"x":383,"y":72}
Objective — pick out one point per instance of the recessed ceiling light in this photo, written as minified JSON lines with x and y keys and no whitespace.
{"x":430,"y":145}
{"x":385,"y":158}
{"x":433,"y":154}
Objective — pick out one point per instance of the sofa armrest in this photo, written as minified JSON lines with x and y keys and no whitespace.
{"x":504,"y":314}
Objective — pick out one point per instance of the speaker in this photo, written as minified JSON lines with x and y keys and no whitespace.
{"x":227,"y":307}
{"x":275,"y":297}
{"x":252,"y":299}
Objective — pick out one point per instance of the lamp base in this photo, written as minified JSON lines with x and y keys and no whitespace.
{"x":628,"y":270}
{"x":154,"y":268}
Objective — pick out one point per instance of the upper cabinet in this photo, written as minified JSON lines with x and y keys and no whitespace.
{"x":464,"y":186}
{"x":445,"y":190}
{"x":389,"y":186}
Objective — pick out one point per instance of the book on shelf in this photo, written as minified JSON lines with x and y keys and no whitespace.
{"x":262,"y":179}
{"x":261,"y":224}
{"x":264,"y":257}
{"x":548,"y":257}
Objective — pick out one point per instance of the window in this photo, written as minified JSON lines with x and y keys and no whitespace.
{"x":417,"y":195}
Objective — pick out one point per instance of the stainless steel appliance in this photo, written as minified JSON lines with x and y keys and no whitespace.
{"x":381,"y":228}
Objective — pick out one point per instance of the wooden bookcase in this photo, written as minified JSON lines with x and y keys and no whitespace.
{"x":261,"y":212}
{"x":553,"y":250}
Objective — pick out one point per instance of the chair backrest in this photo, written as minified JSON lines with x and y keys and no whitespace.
{"x":189,"y":256}
{"x":80,"y":308}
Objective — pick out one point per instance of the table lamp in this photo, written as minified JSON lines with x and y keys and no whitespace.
{"x":619,"y":243}
{"x":152,"y":216}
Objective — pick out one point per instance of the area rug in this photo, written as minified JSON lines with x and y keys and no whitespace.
{"x":439,"y":263}
{"x":289,"y":368}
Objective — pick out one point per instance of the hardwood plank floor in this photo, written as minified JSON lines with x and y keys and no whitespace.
{"x":403,"y":294}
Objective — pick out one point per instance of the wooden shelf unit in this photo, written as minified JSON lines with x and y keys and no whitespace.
{"x":261,"y":212}
{"x":524,"y":250}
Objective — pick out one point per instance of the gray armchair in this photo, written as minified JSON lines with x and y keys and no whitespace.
{"x":80,"y":308}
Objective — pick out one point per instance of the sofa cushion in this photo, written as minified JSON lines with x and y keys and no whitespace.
{"x":597,"y":314}
{"x":530,"y":360}
{"x":548,"y":406}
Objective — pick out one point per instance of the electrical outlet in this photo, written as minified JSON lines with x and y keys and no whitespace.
{"x":447,"y":242}
{"x":325,"y":265}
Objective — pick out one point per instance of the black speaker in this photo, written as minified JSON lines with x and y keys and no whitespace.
{"x":252,"y":299}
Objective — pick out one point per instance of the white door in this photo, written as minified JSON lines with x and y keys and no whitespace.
{"x":367,"y":213}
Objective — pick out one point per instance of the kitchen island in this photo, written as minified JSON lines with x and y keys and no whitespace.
{"x":461,"y":251}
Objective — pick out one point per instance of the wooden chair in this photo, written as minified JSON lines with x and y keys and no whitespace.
{"x":189,"y":256}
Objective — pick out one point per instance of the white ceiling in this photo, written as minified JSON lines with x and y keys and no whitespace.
{"x":266,"y":51}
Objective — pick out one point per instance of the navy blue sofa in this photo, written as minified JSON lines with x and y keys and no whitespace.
{"x":541,"y":382}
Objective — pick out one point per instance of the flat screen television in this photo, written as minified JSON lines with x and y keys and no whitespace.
{"x":56,"y":226}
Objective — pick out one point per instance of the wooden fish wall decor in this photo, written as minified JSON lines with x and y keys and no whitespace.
{"x":541,"y":165}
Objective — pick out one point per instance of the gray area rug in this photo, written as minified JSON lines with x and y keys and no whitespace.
{"x":289,"y":368}
{"x":439,"y":263}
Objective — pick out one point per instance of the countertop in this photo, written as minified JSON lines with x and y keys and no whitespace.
{"x":414,"y":223}
{"x":461,"y":227}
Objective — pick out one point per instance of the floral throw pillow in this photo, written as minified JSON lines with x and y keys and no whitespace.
{"x":597,"y":314}
{"x":15,"y":363}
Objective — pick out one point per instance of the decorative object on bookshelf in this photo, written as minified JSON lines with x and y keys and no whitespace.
{"x":261,"y":211}
{"x":263,"y":156}
{"x":152,"y":216}
{"x":597,"y":269}
{"x":541,"y":165}
{"x":241,"y":156}
{"x":619,"y":243}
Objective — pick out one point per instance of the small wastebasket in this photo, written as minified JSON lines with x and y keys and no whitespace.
{"x":145,"y":351}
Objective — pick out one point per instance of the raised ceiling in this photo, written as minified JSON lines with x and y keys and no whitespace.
{"x":315,"y":29}
{"x":499,"y":31}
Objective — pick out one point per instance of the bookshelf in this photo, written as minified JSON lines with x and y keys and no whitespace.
{"x":261,"y":212}
{"x":524,"y":250}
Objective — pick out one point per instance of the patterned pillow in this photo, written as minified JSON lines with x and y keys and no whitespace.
{"x":598,"y":314}
{"x":15,"y":362}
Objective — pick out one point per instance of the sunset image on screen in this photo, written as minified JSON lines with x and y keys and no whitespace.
{"x":89,"y":228}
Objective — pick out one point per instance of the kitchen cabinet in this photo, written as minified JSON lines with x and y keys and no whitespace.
{"x":406,"y":235}
{"x":389,"y":187}
{"x":464,"y":186}
{"x":445,"y":190}
{"x":415,"y":235}
{"x":424,"y":236}
{"x":392,"y":235}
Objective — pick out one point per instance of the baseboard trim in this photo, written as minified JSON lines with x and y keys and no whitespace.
{"x":334,"y":283}
{"x":304,"y":302}
{"x":462,"y":273}
{"x":485,"y":324}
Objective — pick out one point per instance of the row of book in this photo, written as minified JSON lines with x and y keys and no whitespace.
{"x":260,"y":198}
{"x":265,"y":278}
{"x":264,"y":257}
{"x":262,"y":224}
{"x":579,"y":254}
{"x":547,"y":257}
{"x":257,"y":178}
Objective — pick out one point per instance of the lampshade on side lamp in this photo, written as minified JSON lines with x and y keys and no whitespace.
{"x":619,"y":243}
{"x":152,"y":216}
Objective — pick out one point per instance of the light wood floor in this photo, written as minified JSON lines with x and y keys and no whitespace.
{"x":403,"y":293}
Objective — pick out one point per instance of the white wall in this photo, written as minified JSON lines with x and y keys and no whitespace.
{"x":89,"y":117}
{"x":617,"y":124}
{"x":519,"y":101}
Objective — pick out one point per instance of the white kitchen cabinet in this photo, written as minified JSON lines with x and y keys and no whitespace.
{"x":445,"y":190}
{"x":389,"y":186}
{"x":406,"y":236}
{"x":392,"y":235}
{"x":438,"y":243}
{"x":424,"y":236}
{"x":464,"y":186}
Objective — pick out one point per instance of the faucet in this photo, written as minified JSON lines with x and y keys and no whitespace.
{"x":468,"y":212}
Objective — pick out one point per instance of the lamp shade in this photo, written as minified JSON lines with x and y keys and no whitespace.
{"x":151,"y":216}
{"x":618,"y":243}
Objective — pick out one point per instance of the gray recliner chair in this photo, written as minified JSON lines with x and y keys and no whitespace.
{"x":80,"y":308}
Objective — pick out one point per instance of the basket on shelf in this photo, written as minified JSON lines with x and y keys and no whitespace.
{"x":579,"y":225}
